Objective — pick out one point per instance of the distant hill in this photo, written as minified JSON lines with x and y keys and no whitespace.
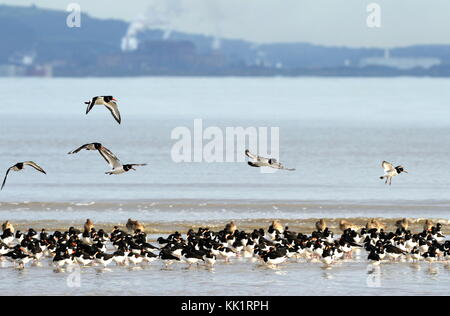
{"x":95,"y":49}
{"x":29,"y":29}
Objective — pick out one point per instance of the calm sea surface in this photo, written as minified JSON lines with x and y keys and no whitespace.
{"x":334,"y":131}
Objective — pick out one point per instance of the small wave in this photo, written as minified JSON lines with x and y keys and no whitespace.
{"x":84,"y":204}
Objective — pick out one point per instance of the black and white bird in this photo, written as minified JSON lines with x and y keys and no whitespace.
{"x":109,"y":102}
{"x":265,"y":162}
{"x":390,"y":171}
{"x":116,"y":166}
{"x":20,"y":166}
{"x":91,"y":146}
{"x":105,"y":152}
{"x":374,"y":257}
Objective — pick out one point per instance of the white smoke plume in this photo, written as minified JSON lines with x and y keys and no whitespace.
{"x":160,"y":14}
{"x":215,"y":17}
{"x":167,"y":14}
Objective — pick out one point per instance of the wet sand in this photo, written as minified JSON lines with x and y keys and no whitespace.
{"x":305,"y":226}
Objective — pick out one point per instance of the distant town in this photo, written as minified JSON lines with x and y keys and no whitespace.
{"x":108,"y":48}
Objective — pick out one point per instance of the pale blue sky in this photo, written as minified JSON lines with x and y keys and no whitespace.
{"x":329,"y":22}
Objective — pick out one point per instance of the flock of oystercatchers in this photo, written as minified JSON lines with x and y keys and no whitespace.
{"x":271,"y":247}
{"x":275,"y":246}
{"x":118,"y":168}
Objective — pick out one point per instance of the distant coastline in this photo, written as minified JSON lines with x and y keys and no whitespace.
{"x":103,"y":48}
{"x":372,"y":72}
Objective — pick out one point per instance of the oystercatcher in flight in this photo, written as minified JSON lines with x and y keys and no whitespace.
{"x":20,"y":166}
{"x":109,"y":102}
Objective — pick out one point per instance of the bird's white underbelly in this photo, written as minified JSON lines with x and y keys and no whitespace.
{"x":117,"y":171}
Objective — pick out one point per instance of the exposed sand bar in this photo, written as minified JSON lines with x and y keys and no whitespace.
{"x":166,"y":227}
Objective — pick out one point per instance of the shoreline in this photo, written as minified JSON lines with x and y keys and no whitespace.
{"x":163,"y":216}
{"x":168,"y":227}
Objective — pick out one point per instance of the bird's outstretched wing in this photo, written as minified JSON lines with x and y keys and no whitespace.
{"x":250,"y":155}
{"x":35,"y":166}
{"x":288,"y":169}
{"x":6,"y":176}
{"x":85,"y":146}
{"x":90,"y":104}
{"x":259,"y":159}
{"x":138,"y":164}
{"x":262,"y":161}
{"x":114,"y":109}
{"x":278,"y":165}
{"x":387,"y":166}
{"x":110,"y":158}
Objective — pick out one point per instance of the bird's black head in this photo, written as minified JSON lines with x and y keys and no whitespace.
{"x":400,"y":169}
{"x":128,"y":167}
{"x":108,"y":98}
{"x":97,"y":146}
{"x":272,"y":161}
